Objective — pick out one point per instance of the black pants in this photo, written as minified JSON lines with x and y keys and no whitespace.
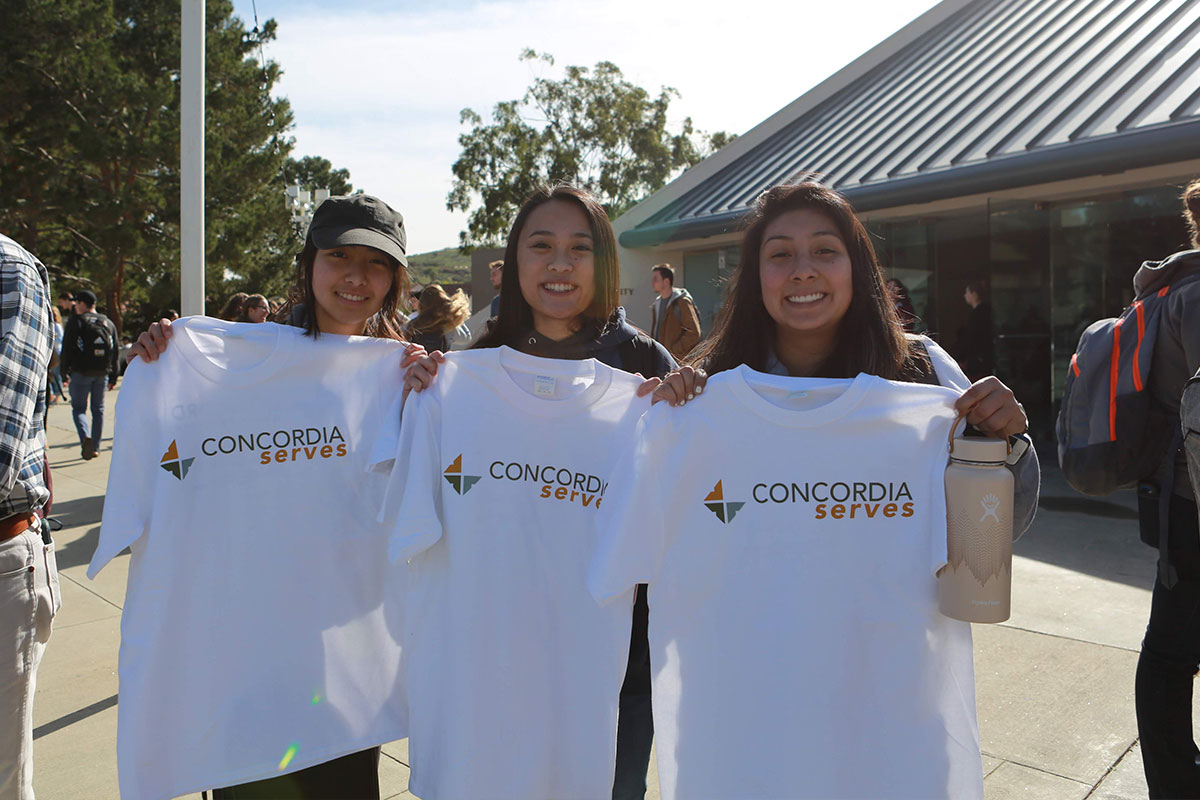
{"x":1169,"y":660}
{"x":635,"y":718}
{"x":352,"y":777}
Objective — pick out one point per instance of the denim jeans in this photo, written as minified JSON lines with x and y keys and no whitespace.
{"x":1167,"y":666}
{"x":82,"y":388}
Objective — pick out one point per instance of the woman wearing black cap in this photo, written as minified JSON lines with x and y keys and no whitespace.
{"x":350,"y":281}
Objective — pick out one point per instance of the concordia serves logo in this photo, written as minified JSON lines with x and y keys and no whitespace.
{"x":175,"y":465}
{"x":461,"y":483}
{"x":715,"y":502}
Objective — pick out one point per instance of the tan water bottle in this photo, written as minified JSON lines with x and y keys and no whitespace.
{"x":976,"y":583}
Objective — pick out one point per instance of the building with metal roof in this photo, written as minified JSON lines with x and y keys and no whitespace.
{"x":1036,"y":146}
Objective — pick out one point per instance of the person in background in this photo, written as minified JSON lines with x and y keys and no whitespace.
{"x":1170,"y":656}
{"x":438,"y":315}
{"x":674,"y":322}
{"x":29,"y":595}
{"x":56,"y":384}
{"x":904,"y":307}
{"x":90,"y":359}
{"x":496,"y":273}
{"x":974,"y":349}
{"x":254,"y":309}
{"x":233,"y":307}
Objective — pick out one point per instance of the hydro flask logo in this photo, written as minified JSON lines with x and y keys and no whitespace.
{"x":990,"y":504}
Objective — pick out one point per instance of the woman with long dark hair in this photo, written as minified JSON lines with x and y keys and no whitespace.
{"x":559,"y":298}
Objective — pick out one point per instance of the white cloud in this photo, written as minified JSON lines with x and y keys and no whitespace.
{"x":377,"y":88}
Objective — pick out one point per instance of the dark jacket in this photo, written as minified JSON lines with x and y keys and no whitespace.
{"x":1177,"y":350}
{"x":617,"y":344}
{"x":71,"y":349}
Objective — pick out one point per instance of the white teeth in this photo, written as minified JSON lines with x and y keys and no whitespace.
{"x":805,"y":298}
{"x":558,"y":287}
{"x":353,"y":297}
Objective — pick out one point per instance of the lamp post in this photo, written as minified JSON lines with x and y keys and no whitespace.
{"x":303,"y":204}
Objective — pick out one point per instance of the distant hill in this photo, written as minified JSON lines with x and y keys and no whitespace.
{"x":440,"y":266}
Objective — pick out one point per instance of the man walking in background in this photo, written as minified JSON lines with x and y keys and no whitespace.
{"x":90,"y":359}
{"x":673,"y":321}
{"x":28,"y":579}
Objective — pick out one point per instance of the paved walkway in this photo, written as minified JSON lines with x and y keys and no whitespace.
{"x":1055,"y":683}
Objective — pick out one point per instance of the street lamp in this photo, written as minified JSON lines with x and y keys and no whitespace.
{"x":303,"y":204}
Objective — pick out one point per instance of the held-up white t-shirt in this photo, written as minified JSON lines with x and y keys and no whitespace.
{"x":513,"y":669}
{"x":261,"y":628}
{"x":790,"y":530}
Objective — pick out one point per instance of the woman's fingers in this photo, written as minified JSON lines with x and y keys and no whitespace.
{"x":412,"y":352}
{"x":648,"y":386}
{"x":992,"y":407}
{"x":153,"y":343}
{"x":680,"y":386}
{"x":421,"y":373}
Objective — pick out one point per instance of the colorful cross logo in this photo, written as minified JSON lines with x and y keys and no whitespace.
{"x":461,"y":483}
{"x":175,"y":465}
{"x":715,"y":502}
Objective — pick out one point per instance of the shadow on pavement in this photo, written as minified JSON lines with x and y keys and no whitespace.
{"x":77,"y":552}
{"x":1091,"y":535}
{"x":75,"y":716}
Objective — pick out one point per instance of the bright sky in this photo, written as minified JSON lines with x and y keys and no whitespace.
{"x":377,"y":86}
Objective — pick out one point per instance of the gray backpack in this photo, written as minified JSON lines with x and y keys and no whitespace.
{"x":1189,"y":418}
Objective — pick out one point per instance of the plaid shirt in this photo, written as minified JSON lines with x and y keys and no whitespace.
{"x":26,"y":341}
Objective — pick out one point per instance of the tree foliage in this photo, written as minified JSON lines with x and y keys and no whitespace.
{"x":89,"y":150}
{"x":314,"y":172}
{"x":592,"y":127}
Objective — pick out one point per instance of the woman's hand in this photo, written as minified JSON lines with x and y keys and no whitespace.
{"x":422,"y":369}
{"x":677,"y":388}
{"x":992,"y":408}
{"x":153,"y":343}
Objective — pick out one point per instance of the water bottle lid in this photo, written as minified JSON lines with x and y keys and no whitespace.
{"x":977,"y":449}
{"x":989,"y":451}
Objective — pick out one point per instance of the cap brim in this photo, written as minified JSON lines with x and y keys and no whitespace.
{"x":328,"y":238}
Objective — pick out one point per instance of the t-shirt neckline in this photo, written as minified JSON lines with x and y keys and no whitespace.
{"x":507,"y":358}
{"x":847,"y":401}
{"x":279,"y":337}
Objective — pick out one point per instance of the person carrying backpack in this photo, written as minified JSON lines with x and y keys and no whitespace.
{"x":90,"y":360}
{"x":1120,"y":426}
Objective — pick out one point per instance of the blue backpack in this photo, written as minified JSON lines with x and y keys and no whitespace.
{"x":1111,"y":432}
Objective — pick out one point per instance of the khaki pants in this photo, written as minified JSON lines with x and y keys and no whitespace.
{"x":29,"y":597}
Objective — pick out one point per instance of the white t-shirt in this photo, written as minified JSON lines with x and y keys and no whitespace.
{"x":513,"y":669}
{"x":261,"y":629}
{"x":790,"y":530}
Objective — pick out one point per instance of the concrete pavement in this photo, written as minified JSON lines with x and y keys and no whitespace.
{"x":1054,"y":683}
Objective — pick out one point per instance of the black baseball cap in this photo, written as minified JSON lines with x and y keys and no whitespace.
{"x":85,"y":297}
{"x":359,"y":219}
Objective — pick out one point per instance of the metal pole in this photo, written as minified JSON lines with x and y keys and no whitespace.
{"x":191,"y":157}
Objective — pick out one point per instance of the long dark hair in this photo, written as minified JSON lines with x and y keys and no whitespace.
{"x":388,"y":322}
{"x":515,"y":317}
{"x":870,"y":338}
{"x":1191,"y":211}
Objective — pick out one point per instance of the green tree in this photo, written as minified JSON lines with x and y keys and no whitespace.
{"x":592,"y":128}
{"x":89,"y":148}
{"x":314,"y":172}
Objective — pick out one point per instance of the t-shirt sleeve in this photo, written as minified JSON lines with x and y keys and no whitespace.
{"x":631,"y":527}
{"x":948,"y":373}
{"x":413,"y":489}
{"x":938,"y":524}
{"x":382,"y":456}
{"x":127,"y":498}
